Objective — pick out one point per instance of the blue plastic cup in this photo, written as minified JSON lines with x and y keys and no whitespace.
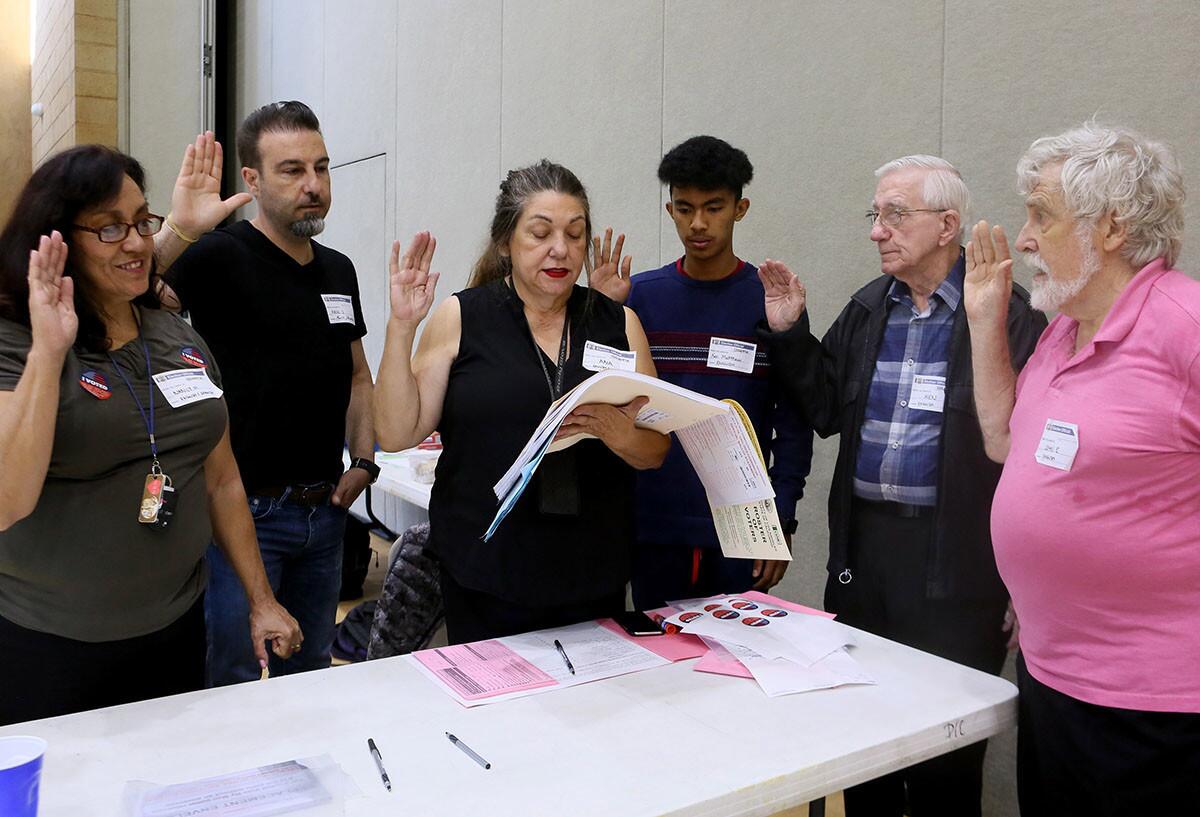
{"x":20,"y":771}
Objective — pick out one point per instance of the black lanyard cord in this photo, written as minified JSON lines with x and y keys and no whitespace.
{"x":148,"y":419}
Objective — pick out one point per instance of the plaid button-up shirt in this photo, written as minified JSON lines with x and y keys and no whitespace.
{"x":898,"y":449}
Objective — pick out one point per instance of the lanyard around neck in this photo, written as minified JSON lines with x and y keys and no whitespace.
{"x":555,"y":385}
{"x":147,"y":417}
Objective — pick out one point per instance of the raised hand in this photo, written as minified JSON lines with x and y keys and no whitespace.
{"x":196,"y":203}
{"x":608,"y":276}
{"x":988,"y":283}
{"x":412,"y":284}
{"x":785,"y":296}
{"x":52,"y":318}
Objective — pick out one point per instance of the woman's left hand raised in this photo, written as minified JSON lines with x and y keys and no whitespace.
{"x":196,"y":203}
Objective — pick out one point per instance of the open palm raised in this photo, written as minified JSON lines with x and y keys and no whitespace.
{"x":52,"y":319}
{"x":412,"y":284}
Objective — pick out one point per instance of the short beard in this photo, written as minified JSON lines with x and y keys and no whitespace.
{"x":307,"y":227}
{"x":1050,"y":294}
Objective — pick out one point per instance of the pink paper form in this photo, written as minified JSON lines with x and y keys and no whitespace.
{"x":482,"y":669}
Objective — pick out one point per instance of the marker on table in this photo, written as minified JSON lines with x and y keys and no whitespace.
{"x":471,"y":753}
{"x":379,"y":763}
{"x":558,"y":646}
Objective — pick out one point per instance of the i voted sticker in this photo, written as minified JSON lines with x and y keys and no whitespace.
{"x":94,"y":384}
{"x":732,"y":355}
{"x":183,"y":387}
{"x":339,"y":308}
{"x":598,"y":358}
{"x":192,"y":357}
{"x":1059,"y":445}
{"x":928,"y":393}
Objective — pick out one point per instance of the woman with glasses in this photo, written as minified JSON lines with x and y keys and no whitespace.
{"x":115,"y":465}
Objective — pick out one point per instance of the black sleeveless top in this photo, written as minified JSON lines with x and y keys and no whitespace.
{"x":496,"y":396}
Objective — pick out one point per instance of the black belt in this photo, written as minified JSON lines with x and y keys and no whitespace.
{"x":903,"y":510}
{"x":309,"y":496}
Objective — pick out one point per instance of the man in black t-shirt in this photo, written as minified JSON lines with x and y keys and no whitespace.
{"x":282,"y":316}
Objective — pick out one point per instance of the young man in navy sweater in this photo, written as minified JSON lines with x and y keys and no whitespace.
{"x":700,"y":314}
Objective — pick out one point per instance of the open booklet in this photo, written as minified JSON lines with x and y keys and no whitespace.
{"x":716,"y":435}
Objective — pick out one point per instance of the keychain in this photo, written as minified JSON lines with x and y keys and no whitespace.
{"x":157,"y":498}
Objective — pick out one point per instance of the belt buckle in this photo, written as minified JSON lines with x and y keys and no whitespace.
{"x":312,"y":495}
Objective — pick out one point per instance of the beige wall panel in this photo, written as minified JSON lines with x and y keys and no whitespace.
{"x":1016,"y":71}
{"x":297,"y":52}
{"x":818,"y":94}
{"x":357,"y":226}
{"x":359,"y":116}
{"x":164,"y":90}
{"x":447,"y":128}
{"x":16,"y":132}
{"x":583,"y":87}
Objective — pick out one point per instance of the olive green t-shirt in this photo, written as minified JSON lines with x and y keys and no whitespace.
{"x":81,"y":565}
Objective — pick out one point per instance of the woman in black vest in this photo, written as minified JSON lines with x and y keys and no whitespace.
{"x":489,"y":363}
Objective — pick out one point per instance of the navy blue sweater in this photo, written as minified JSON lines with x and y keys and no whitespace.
{"x":681,"y":316}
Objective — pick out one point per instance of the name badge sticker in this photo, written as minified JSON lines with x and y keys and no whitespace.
{"x":193,"y":357}
{"x":731,"y":355}
{"x":597,"y":358}
{"x":339,"y":308}
{"x":1059,"y":445}
{"x":928,"y":393}
{"x":94,"y":384}
{"x":183,"y":387}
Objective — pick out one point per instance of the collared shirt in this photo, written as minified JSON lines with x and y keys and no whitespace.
{"x":1102,"y":559}
{"x":898,"y":446}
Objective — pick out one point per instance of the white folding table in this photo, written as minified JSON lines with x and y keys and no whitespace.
{"x":666,"y":741}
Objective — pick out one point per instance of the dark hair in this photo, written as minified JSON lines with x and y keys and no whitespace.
{"x":518,"y":187}
{"x":67,"y":184}
{"x":273,"y":117}
{"x":707,"y":163}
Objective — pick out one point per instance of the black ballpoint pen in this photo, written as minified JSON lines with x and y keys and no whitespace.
{"x":558,"y":646}
{"x":379,"y":763}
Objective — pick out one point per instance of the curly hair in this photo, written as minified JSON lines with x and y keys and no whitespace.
{"x":707,"y":163}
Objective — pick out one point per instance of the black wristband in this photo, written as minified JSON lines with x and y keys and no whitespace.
{"x":368,"y":466}
{"x":789,"y":527}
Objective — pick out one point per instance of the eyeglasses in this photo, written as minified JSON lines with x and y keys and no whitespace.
{"x":892,"y":218}
{"x":115,"y":233}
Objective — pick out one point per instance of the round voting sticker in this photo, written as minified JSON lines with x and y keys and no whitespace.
{"x":756,"y":621}
{"x":691,"y":615}
{"x":193,"y":357}
{"x":774,"y":613}
{"x":744,"y":605}
{"x":94,"y":384}
{"x":710,"y":607}
{"x":726,"y":614}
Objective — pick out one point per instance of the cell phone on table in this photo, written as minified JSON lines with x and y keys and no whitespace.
{"x":638,"y":624}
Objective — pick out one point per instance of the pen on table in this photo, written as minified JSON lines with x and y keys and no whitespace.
{"x":471,"y":753}
{"x":558,"y":646}
{"x":379,"y":763}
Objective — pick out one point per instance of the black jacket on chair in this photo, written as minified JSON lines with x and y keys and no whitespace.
{"x":828,"y":381}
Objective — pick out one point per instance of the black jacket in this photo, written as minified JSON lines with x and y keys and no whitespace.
{"x":828,"y":381}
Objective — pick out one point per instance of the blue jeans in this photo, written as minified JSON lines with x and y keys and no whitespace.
{"x":302,"y":551}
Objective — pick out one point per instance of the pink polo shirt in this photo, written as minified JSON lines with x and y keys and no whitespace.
{"x":1103,"y":561}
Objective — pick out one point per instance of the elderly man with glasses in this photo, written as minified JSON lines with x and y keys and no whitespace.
{"x":910,"y":552}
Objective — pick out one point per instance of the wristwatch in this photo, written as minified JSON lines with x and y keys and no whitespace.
{"x":368,"y":466}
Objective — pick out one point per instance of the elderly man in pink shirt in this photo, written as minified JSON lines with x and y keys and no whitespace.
{"x":1096,"y":520}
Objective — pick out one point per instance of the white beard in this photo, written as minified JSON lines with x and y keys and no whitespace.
{"x":1048,"y":294}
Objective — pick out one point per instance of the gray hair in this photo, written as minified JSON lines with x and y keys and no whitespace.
{"x":1115,"y":170}
{"x":944,"y":186}
{"x":518,"y":187}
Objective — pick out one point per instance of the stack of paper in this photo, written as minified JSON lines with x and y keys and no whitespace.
{"x":716,"y":436}
{"x":784,"y":647}
{"x":501,"y":669}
